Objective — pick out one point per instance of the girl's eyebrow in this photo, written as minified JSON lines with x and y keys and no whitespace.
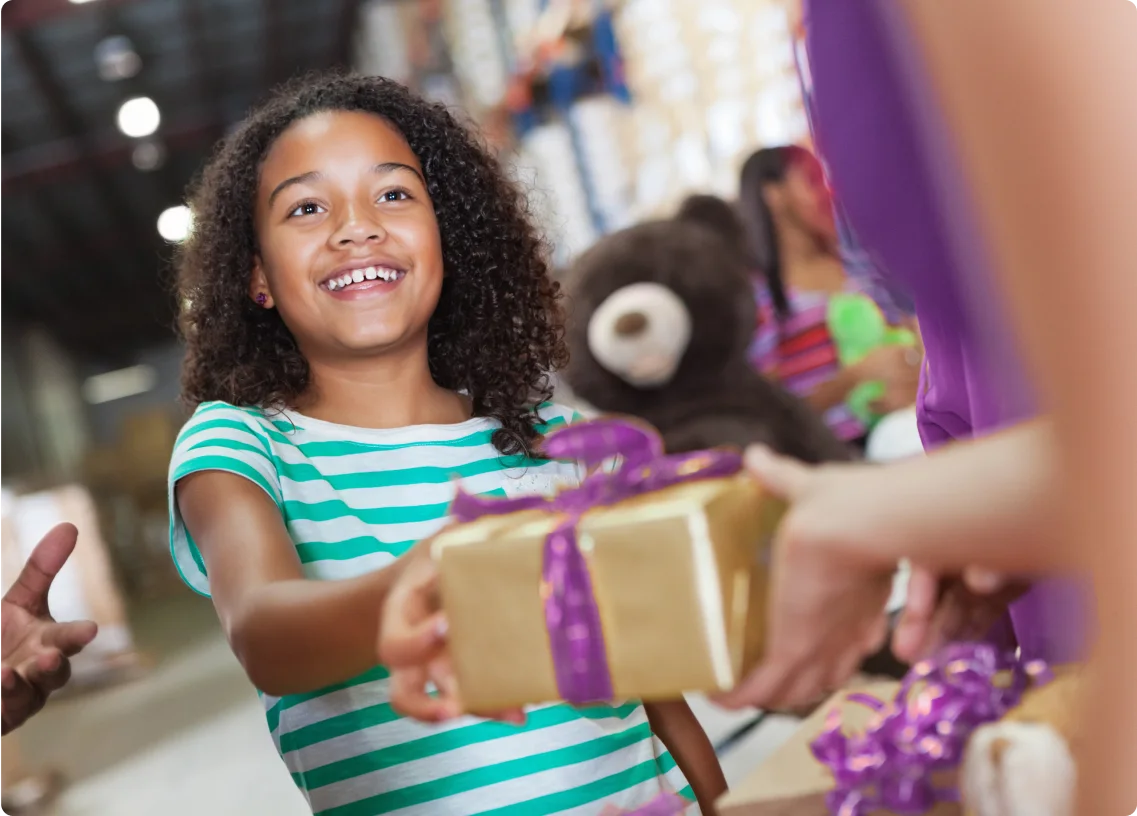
{"x":303,"y":178}
{"x":316,"y":175}
{"x":391,"y":167}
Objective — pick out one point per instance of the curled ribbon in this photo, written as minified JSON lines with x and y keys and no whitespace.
{"x":571,"y":616}
{"x":924,"y":729}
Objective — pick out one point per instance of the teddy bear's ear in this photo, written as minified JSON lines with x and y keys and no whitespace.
{"x":717,"y":215}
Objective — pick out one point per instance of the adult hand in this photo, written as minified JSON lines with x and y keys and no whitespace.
{"x":37,"y":649}
{"x":826,"y":608}
{"x":940,"y":610}
{"x":897,"y":368}
{"x":412,"y":644}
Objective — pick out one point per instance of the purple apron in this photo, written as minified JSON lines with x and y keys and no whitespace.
{"x":891,"y":167}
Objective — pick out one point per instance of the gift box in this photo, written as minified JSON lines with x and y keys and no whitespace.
{"x":886,"y":747}
{"x":645,"y":582}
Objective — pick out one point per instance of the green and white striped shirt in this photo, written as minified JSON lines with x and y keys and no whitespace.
{"x":354,"y":500}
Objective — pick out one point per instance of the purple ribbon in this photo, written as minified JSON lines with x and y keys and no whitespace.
{"x":924,"y":729}
{"x":576,"y":639}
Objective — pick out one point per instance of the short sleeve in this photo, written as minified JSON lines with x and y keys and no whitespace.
{"x":219,"y":437}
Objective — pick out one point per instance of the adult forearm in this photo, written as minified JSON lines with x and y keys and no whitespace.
{"x":301,"y":635}
{"x":990,"y":502}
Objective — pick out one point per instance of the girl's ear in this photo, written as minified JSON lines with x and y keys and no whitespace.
{"x":258,"y":285}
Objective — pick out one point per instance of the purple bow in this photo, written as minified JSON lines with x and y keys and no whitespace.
{"x":924,"y":729}
{"x":571,"y":615}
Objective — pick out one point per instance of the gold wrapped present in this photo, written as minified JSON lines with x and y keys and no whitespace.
{"x":678,"y":577}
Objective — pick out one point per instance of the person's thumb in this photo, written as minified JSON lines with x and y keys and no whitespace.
{"x":782,"y":476}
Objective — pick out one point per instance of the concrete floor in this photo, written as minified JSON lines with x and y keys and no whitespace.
{"x":189,"y":737}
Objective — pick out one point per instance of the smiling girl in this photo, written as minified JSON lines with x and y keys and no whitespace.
{"x":369,"y":316}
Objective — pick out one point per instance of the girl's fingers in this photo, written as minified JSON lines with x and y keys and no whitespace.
{"x":403,"y":643}
{"x":410,"y":698}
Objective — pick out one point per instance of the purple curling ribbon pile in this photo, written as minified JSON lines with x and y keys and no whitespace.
{"x":573,"y":620}
{"x":923,"y":730}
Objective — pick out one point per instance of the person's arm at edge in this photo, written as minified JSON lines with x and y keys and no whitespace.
{"x":291,"y":634}
{"x":970,"y":503}
{"x":1049,"y":150}
{"x":678,"y":728}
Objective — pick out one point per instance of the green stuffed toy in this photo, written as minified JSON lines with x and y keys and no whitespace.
{"x":858,"y":328}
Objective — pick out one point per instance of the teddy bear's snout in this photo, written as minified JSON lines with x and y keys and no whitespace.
{"x":630,"y":324}
{"x":640,"y":333}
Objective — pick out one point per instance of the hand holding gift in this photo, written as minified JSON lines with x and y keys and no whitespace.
{"x":643,"y":582}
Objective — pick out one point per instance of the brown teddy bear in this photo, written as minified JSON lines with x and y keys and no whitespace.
{"x":661,"y":315}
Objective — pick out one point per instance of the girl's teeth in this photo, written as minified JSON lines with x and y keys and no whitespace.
{"x":360,"y":275}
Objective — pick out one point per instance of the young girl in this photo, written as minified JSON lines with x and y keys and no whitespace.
{"x":369,"y":316}
{"x":792,"y":238}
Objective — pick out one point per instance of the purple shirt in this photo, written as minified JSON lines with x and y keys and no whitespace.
{"x":893,"y":171}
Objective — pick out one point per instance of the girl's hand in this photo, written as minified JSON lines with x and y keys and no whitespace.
{"x":898,"y":368}
{"x":412,"y":644}
{"x":826,"y":608}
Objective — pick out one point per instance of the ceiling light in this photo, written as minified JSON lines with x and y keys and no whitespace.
{"x":117,"y":59}
{"x":138,"y":117}
{"x":116,"y":385}
{"x":80,"y":2}
{"x":175,"y":223}
{"x":148,"y":156}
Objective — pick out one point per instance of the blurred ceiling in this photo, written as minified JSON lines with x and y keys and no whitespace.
{"x":81,"y":252}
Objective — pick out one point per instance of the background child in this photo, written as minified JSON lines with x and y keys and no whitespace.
{"x":368,"y":314}
{"x":792,"y":237}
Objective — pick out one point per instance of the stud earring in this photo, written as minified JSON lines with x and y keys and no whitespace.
{"x":261,"y":298}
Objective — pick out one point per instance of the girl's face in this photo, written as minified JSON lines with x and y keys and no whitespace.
{"x":349,"y":249}
{"x":807,"y":196}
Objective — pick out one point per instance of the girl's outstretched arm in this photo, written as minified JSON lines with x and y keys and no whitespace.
{"x":291,"y":634}
{"x":677,"y":727}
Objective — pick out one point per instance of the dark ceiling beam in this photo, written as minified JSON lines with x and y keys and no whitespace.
{"x":206,"y":86}
{"x":274,"y":43}
{"x":168,"y":183}
{"x":18,"y":15}
{"x":67,"y":260}
{"x":67,"y":158}
{"x":71,"y":125}
{"x":348,"y":24}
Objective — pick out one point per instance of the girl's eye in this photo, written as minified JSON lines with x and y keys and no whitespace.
{"x":306,"y":208}
{"x":395,"y":195}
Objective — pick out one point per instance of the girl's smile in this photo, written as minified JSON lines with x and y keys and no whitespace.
{"x":365,"y":278}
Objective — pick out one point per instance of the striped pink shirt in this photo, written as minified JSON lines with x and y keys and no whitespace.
{"x":799,"y":353}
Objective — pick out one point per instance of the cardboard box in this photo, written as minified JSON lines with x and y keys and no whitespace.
{"x":678,"y":576}
{"x":791,"y":782}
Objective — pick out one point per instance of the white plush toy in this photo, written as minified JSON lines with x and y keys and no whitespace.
{"x":1023,"y":764}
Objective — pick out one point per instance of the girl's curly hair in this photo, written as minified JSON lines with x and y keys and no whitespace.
{"x":498,"y":328}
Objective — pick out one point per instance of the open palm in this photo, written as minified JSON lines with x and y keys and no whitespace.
{"x":36,"y":648}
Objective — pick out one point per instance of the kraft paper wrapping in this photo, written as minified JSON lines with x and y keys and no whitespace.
{"x":679,"y":578}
